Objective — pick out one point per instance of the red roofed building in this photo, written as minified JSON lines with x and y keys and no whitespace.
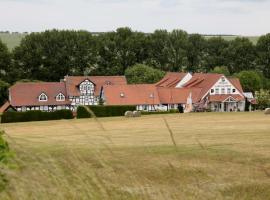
{"x":67,"y":94}
{"x":194,"y":92}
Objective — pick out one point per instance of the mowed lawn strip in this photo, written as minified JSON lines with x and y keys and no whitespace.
{"x":217,"y":156}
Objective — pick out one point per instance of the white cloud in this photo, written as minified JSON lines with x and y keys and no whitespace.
{"x":244,"y":17}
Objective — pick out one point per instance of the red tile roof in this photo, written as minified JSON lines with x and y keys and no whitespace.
{"x":178,"y":95}
{"x":203,"y":81}
{"x":223,"y":97}
{"x":72,"y":83}
{"x":141,"y":94}
{"x":171,"y":79}
{"x":26,"y":94}
{"x":236,"y":83}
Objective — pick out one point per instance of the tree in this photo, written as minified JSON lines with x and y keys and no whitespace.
{"x":241,"y":55}
{"x":216,"y":53}
{"x":120,"y":50}
{"x":263,"y":98}
{"x":221,"y":70}
{"x":250,"y":80}
{"x":177,"y":51}
{"x":50,"y":55}
{"x":140,"y":73}
{"x":5,"y":60}
{"x":3,"y":92}
{"x":263,"y":51}
{"x":195,"y":52}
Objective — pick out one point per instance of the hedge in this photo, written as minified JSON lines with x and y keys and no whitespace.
{"x":160,"y":112}
{"x":82,"y":113}
{"x":104,"y":111}
{"x":35,"y":115}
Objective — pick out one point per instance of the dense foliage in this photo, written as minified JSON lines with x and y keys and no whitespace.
{"x":9,"y":117}
{"x":3,"y":92}
{"x":143,"y":74}
{"x":104,"y":111}
{"x":83,"y":113}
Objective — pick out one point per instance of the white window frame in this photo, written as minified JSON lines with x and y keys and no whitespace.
{"x":60,"y":97}
{"x":43,"y":95}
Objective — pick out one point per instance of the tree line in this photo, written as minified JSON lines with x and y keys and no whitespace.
{"x":50,"y":55}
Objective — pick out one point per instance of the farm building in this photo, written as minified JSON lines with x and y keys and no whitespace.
{"x":194,"y":92}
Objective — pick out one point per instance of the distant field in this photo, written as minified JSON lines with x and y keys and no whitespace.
{"x":253,"y":39}
{"x":13,"y":39}
{"x":217,"y":156}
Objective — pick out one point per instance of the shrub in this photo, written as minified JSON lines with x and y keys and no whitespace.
{"x":110,"y":111}
{"x":105,"y":111}
{"x":160,"y":112}
{"x":35,"y":115}
{"x":82,"y":113}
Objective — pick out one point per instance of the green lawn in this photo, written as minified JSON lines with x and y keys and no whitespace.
{"x":217,"y":156}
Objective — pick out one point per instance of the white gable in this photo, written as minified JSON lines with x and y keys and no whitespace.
{"x":184,"y":80}
{"x":224,"y":86}
{"x":87,"y":87}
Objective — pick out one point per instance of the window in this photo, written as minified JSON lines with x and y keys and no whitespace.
{"x":228,"y":90}
{"x":222,"y":90}
{"x":43,"y":97}
{"x":233,"y":90}
{"x":212,"y":91}
{"x":217,"y":90}
{"x":122,"y":95}
{"x":223,"y":79}
{"x":60,"y":97}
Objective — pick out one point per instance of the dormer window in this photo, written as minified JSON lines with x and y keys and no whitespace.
{"x":43,"y":97}
{"x":60,"y":97}
{"x":86,"y":87}
{"x":122,"y":95}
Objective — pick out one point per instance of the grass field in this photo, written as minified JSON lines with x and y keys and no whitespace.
{"x":13,"y":39}
{"x":217,"y":156}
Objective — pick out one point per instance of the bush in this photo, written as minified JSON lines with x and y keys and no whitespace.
{"x":82,"y":113}
{"x":35,"y":115}
{"x":160,"y":112}
{"x":105,"y":111}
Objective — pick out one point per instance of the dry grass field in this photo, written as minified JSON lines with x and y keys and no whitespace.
{"x":216,"y":156}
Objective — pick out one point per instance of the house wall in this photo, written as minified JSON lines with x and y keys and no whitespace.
{"x":87,"y":95}
{"x":223,"y":86}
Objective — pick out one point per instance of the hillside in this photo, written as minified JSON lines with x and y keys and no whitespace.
{"x":13,"y":39}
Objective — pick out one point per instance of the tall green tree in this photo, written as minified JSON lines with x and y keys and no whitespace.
{"x":241,"y":55}
{"x":178,"y":42}
{"x":159,"y":50}
{"x":195,"y":52}
{"x":140,"y":73}
{"x":3,"y":92}
{"x":50,"y":55}
{"x":5,"y":61}
{"x":216,"y":53}
{"x":263,"y":51}
{"x":119,"y":50}
{"x":250,"y":80}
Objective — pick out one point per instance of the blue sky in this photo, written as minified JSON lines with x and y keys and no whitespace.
{"x":242,"y":17}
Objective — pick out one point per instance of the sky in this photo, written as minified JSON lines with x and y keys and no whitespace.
{"x":239,"y":17}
